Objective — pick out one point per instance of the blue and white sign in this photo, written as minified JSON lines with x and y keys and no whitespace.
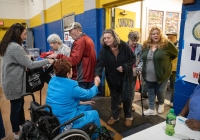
{"x":190,"y":59}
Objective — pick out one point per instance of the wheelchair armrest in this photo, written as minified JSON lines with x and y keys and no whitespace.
{"x":68,"y":122}
{"x":29,"y":93}
{"x":36,"y":107}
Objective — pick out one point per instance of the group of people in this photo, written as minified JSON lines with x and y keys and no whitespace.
{"x":70,"y":91}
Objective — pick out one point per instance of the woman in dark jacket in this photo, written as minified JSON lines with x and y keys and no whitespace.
{"x":117,"y":58}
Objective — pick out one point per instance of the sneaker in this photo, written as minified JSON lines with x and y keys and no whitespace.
{"x":112,"y":121}
{"x":150,"y":112}
{"x":161,"y":108}
{"x":16,"y":137}
{"x":171,"y":104}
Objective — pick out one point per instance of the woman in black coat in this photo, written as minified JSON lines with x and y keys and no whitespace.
{"x":117,"y":58}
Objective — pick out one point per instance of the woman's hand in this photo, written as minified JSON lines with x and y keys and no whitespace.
{"x":87,"y":103}
{"x":29,"y":56}
{"x":53,"y":55}
{"x":51,"y":61}
{"x":97,"y":81}
{"x":120,"y":69}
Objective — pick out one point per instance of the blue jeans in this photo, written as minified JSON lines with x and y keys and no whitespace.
{"x":155,"y":89}
{"x":17,"y":113}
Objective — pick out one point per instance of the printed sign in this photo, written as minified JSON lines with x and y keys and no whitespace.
{"x":190,"y":59}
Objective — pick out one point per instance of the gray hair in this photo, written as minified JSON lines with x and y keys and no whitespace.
{"x":115,"y":36}
{"x":54,"y":38}
{"x":133,"y":35}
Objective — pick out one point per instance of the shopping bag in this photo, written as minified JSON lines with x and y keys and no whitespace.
{"x":34,"y":81}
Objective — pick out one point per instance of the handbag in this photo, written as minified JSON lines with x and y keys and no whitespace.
{"x":126,"y":88}
{"x":48,"y":73}
{"x":34,"y":81}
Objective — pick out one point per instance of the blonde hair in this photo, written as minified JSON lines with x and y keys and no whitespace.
{"x":114,"y":35}
{"x":162,"y":42}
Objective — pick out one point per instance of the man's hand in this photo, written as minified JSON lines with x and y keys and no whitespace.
{"x":53,"y":55}
{"x":120,"y":69}
{"x":193,"y":124}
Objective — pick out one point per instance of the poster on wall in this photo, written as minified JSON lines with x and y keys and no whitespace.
{"x":171,"y":22}
{"x":68,"y":39}
{"x":190,"y":59}
{"x":155,"y":18}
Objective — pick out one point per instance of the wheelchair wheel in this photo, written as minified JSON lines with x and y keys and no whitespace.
{"x":72,"y":134}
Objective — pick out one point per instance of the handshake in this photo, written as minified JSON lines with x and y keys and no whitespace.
{"x":97,"y":81}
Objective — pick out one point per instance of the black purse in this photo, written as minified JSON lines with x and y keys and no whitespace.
{"x":48,"y":73}
{"x":34,"y":81}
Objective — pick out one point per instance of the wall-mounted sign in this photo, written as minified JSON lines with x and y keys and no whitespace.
{"x":126,"y":22}
{"x":1,"y":23}
{"x":190,"y":58}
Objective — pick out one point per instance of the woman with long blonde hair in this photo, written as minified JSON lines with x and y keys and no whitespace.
{"x":157,"y":54}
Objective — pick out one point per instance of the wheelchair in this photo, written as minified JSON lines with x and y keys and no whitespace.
{"x":45,"y":126}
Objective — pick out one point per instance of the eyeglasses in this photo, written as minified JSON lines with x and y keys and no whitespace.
{"x":155,"y":34}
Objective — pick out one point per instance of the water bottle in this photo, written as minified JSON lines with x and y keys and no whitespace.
{"x":170,"y":123}
{"x":67,"y":127}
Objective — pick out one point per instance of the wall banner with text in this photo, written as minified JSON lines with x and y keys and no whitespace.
{"x":190,"y":59}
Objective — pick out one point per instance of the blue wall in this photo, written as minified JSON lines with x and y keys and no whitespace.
{"x":92,"y":21}
{"x":183,"y":92}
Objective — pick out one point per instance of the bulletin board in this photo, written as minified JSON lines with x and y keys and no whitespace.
{"x":172,"y":22}
{"x":155,"y":18}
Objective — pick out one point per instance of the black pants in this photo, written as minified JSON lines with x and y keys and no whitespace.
{"x":85,"y":85}
{"x":2,"y":130}
{"x":17,"y":113}
{"x":115,"y":93}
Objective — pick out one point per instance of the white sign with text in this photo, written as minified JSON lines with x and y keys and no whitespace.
{"x":190,"y":59}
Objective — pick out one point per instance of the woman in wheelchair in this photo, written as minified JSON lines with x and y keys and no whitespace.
{"x":64,"y":95}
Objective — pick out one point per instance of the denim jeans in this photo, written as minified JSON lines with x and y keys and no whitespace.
{"x":17,"y":113}
{"x":155,"y":89}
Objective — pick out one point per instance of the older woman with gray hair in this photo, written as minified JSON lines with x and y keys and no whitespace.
{"x":133,"y":38}
{"x":117,"y":58}
{"x":57,"y":45}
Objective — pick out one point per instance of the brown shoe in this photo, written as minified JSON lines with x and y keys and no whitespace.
{"x":112,"y":121}
{"x":133,"y":109}
{"x":128,"y":122}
